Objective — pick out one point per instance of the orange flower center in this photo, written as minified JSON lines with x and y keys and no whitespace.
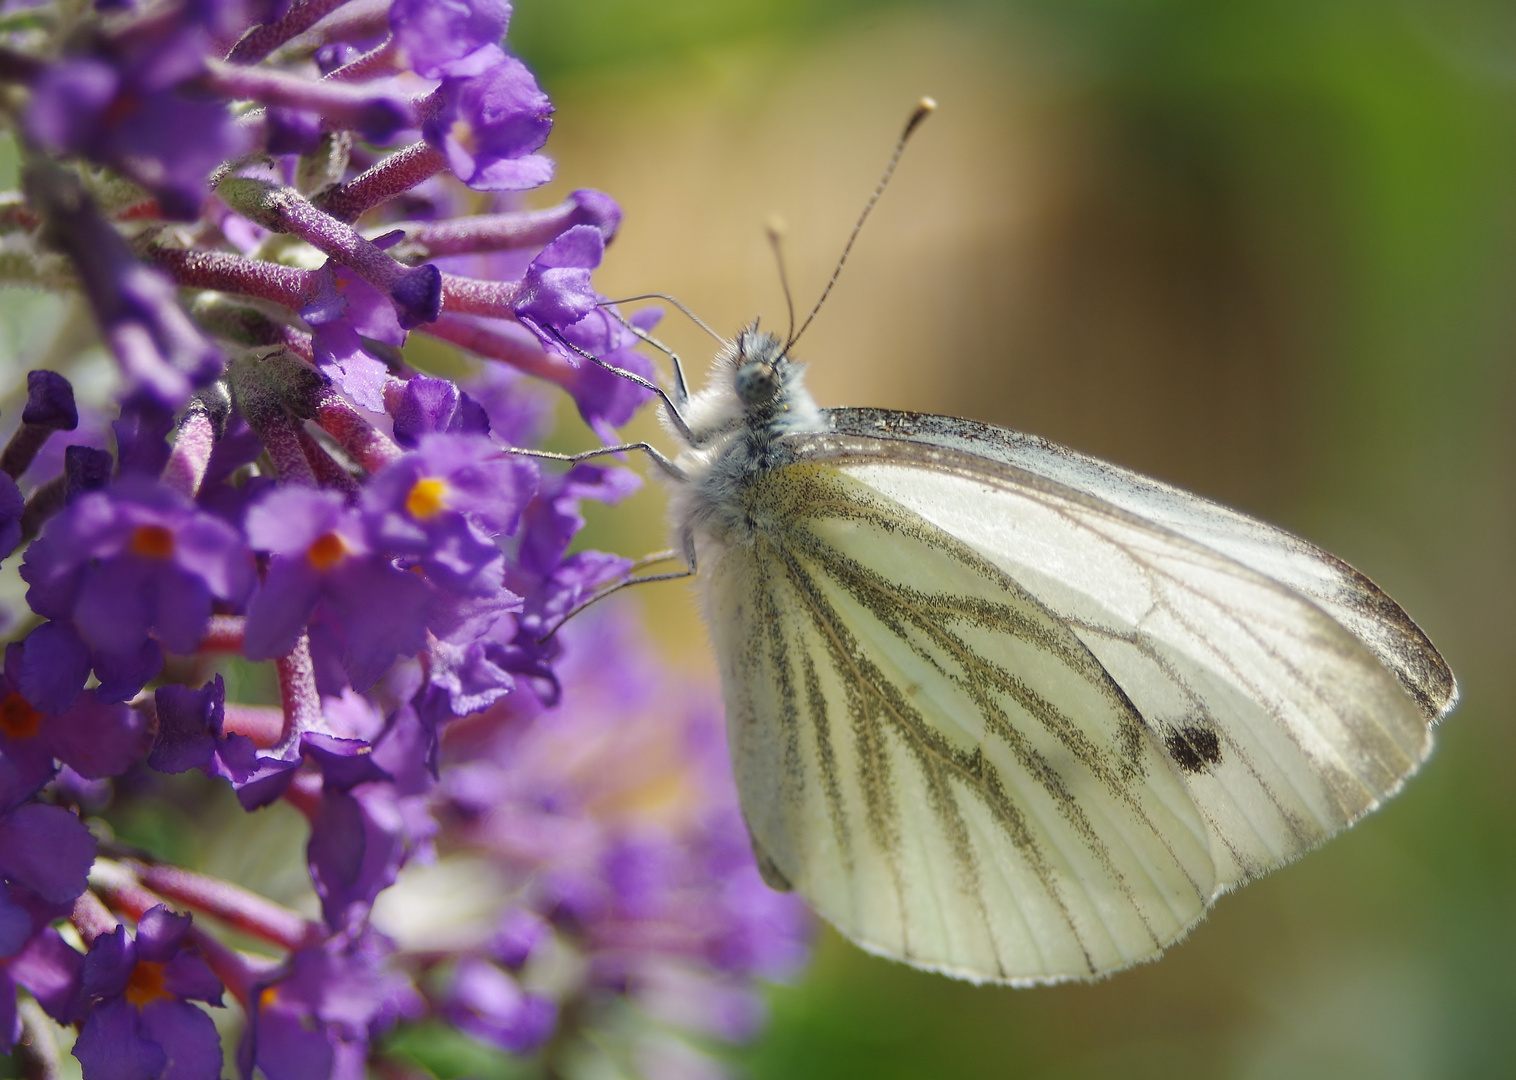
{"x":152,"y":541}
{"x":427,"y":498}
{"x":17,"y":717}
{"x":146,"y":984}
{"x":327,"y":551}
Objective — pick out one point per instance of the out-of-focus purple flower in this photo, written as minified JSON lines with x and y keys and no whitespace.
{"x":616,"y":811}
{"x":141,"y":1024}
{"x":317,"y":1022}
{"x":161,"y":351}
{"x":117,"y":111}
{"x":435,"y":34}
{"x":128,"y":568}
{"x":12,"y":503}
{"x":321,"y":557}
{"x":490,"y":125}
{"x":490,"y":1005}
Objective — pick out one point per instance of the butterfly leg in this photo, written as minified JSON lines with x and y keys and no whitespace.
{"x":688,"y":543}
{"x":573,"y":459}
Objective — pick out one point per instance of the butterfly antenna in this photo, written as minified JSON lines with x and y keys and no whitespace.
{"x":775,"y":232}
{"x":923,"y":109}
{"x":669,"y":299}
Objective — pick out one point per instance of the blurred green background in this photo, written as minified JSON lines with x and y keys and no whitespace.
{"x":1265,"y":250}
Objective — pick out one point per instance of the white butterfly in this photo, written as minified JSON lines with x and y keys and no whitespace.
{"x":1010,"y":713}
{"x":1004,"y":711}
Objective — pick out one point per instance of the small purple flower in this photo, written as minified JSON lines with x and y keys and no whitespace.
{"x":435,"y":34}
{"x":357,"y":834}
{"x":425,"y":405}
{"x":352,"y":322}
{"x":441,"y":506}
{"x":323,"y":564}
{"x":606,"y":400}
{"x":490,"y":1005}
{"x":141,"y":1024}
{"x":491,"y":124}
{"x":317,"y":1021}
{"x":556,"y":291}
{"x":128,"y":568}
{"x":52,"y":971}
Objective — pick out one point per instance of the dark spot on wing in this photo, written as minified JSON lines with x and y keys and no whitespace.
{"x":1193,"y":748}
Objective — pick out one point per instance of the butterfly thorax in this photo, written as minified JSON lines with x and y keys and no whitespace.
{"x":756,"y":396}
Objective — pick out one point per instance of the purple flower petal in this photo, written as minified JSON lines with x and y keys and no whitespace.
{"x":189,"y":724}
{"x":187,"y":1038}
{"x":54,"y":667}
{"x":97,"y":739}
{"x":116,"y":1045}
{"x":109,"y":964}
{"x":160,"y":933}
{"x":433,"y":33}
{"x":52,"y":972}
{"x":47,"y":849}
{"x":50,"y":401}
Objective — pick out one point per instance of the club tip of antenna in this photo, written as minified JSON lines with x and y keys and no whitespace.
{"x":923,"y":109}
{"x":775,"y":227}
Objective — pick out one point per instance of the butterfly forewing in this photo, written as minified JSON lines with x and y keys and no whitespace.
{"x":933,"y":757}
{"x":968,"y":446}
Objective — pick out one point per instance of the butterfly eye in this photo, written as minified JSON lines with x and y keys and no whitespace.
{"x":755,"y":383}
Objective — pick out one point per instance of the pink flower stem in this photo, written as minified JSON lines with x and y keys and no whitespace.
{"x":524,"y":355}
{"x":237,"y":907}
{"x":470,"y":296}
{"x":193,"y":444}
{"x":263,"y":724}
{"x":368,"y":446}
{"x":338,"y":105}
{"x":383,"y":59}
{"x":223,"y":272}
{"x":224,"y":634}
{"x":492,"y":232}
{"x":393,"y":176}
{"x":329,"y":474}
{"x":91,"y":917}
{"x":297,"y":688}
{"x":264,"y":38}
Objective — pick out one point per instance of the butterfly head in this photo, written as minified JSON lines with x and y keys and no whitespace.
{"x":760,"y":370}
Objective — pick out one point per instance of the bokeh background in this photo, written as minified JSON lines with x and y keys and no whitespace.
{"x":1263,"y":249}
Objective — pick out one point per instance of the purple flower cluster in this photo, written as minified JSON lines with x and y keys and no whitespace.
{"x":261,"y":200}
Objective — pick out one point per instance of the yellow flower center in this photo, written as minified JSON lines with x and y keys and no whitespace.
{"x":17,"y":717}
{"x":462,"y":133}
{"x":427,"y":498}
{"x":146,"y":984}
{"x":327,"y":551}
{"x":152,"y":541}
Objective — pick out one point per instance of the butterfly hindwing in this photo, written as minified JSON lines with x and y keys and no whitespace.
{"x":932,"y":757}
